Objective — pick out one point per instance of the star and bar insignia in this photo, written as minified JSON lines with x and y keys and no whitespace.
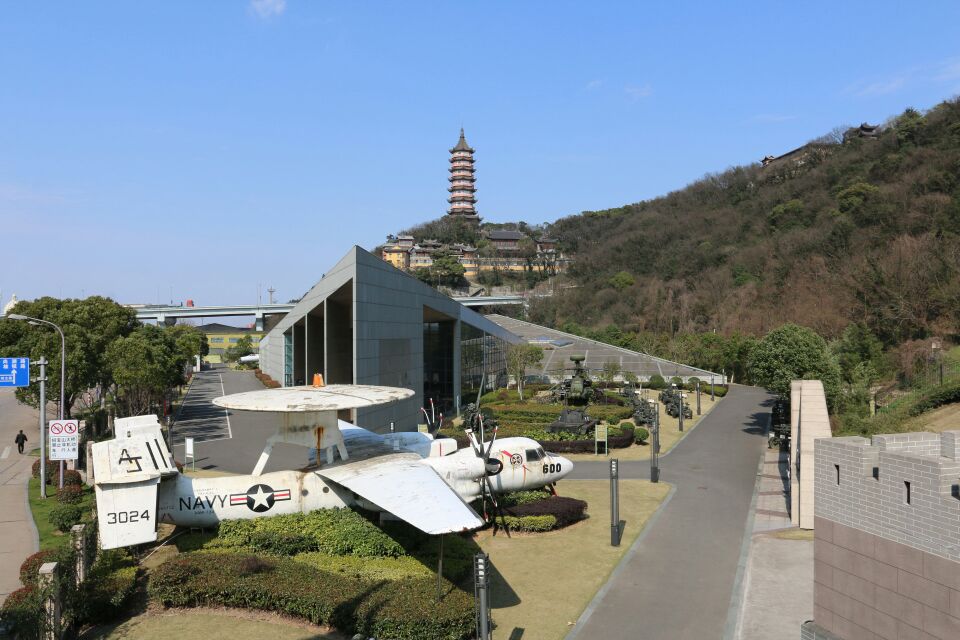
{"x":259,"y":498}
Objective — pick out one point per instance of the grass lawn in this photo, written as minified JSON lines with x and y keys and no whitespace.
{"x":50,"y":538}
{"x":542,"y":583}
{"x":669,"y":433}
{"x":209,"y":623}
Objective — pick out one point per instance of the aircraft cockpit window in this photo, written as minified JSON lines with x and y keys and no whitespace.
{"x":534,"y":455}
{"x":541,"y":452}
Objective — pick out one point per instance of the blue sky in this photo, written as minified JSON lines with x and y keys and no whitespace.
{"x":198,"y":149}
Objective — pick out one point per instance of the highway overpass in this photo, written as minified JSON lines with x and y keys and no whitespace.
{"x":170,"y":314}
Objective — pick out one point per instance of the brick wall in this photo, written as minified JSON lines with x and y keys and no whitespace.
{"x":886,"y":568}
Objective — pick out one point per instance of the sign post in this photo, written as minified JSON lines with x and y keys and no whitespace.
{"x":14,"y":372}
{"x":188,"y":453}
{"x":600,"y":435}
{"x":64,"y":438}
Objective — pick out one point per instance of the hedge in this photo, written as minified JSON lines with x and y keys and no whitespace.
{"x":30,"y":568}
{"x":641,"y":435}
{"x":402,"y":609}
{"x":106,"y":592}
{"x":332,"y":531}
{"x":22,"y":613}
{"x":940,"y":397}
{"x":587,"y":446}
{"x":530,"y":524}
{"x":565,"y":511}
{"x":70,"y":494}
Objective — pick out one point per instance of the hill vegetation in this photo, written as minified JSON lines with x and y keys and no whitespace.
{"x":846,"y":230}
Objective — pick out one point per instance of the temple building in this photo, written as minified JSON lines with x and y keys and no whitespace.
{"x":462,"y":182}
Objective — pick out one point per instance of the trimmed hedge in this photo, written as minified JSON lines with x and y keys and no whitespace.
{"x":107,"y":590}
{"x":29,"y":569}
{"x":385,"y":610}
{"x":641,"y":435}
{"x":71,"y":478}
{"x":70,"y":494}
{"x":530,"y":524}
{"x":566,"y":511}
{"x":587,"y":446}
{"x":333,"y":531}
{"x":22,"y":613}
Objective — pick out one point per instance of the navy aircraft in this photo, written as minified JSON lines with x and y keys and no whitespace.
{"x":416,"y":477}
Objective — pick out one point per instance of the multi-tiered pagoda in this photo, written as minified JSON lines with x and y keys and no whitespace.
{"x":462,"y":182}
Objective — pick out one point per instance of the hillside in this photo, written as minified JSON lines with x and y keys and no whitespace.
{"x":847,"y":229}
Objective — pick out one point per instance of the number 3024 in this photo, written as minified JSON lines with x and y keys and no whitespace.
{"x":123,"y":517}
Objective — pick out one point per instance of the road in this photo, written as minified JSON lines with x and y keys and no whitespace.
{"x":678,"y":582}
{"x":16,"y":523}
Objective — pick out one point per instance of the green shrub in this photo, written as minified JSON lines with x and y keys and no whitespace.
{"x":516,"y":498}
{"x":564,"y":510}
{"x":407,"y":610}
{"x":656,"y":382}
{"x":677,"y":380}
{"x":107,"y":590}
{"x":717,"y":391}
{"x":640,"y":435}
{"x":944,"y":395}
{"x":22,"y":614}
{"x":394,"y":609}
{"x":333,"y":531}
{"x":531,"y":524}
{"x":70,"y":478}
{"x":372,"y":569}
{"x":29,"y":569}
{"x":64,"y":516}
{"x":70,"y":494}
{"x":692,"y":382}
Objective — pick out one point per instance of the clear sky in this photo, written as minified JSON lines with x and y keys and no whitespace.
{"x":158,"y":150}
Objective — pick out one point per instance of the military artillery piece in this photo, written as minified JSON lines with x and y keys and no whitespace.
{"x":779,"y":425}
{"x":578,"y":390}
{"x":672,"y":399}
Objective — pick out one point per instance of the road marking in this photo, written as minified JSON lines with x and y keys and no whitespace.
{"x":6,"y":452}
{"x":225,"y":412}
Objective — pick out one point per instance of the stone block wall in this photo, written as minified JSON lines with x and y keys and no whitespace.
{"x":887,"y":537}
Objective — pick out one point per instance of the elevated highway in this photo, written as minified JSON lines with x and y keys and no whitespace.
{"x":167,"y":314}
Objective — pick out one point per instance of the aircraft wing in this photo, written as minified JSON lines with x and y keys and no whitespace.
{"x":407,"y":488}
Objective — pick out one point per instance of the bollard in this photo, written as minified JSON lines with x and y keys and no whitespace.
{"x":614,"y":503}
{"x":51,"y":606}
{"x":655,"y":449}
{"x":698,"y":397}
{"x":481,"y":585}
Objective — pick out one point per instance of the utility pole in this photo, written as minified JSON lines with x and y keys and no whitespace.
{"x":655,"y":449}
{"x":42,"y":363}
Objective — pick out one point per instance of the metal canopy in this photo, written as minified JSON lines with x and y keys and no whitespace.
{"x":309,"y":399}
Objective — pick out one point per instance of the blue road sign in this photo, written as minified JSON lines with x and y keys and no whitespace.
{"x":14,"y":372}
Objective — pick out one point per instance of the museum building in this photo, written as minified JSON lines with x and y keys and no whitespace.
{"x":366,"y":322}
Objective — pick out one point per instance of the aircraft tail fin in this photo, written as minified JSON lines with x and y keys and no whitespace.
{"x":127,"y":474}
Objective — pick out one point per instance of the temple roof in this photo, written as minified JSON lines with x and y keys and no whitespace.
{"x":462,"y":144}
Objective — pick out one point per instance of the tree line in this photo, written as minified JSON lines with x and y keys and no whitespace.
{"x":112,"y":359}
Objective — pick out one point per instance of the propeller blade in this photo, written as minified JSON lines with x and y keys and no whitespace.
{"x":473,"y":443}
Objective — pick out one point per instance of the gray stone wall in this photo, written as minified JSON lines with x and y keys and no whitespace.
{"x":871,"y":494}
{"x":811,"y":631}
{"x":885,"y":566}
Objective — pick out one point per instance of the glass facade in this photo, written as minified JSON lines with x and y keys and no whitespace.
{"x":438,"y":366}
{"x":483,"y":357}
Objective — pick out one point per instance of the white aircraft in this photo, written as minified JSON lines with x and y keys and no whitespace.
{"x":413,"y":476}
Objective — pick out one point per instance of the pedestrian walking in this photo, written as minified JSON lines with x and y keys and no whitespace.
{"x":20,"y":440}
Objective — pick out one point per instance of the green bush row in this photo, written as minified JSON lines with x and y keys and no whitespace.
{"x":937,"y":398}
{"x":339,"y":532}
{"x":394,"y":609}
{"x":530,"y":524}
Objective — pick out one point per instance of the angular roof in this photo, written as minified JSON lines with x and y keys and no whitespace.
{"x":216,"y":327}
{"x":559,"y":346}
{"x":462,"y":144}
{"x":505,"y":234}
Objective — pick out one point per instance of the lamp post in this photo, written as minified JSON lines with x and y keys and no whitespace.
{"x":63,"y":371}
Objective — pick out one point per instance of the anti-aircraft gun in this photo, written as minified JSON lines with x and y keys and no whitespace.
{"x":672,"y":399}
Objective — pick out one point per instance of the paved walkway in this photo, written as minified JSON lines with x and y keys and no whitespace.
{"x":778,"y":582}
{"x":677,"y":581}
{"x":18,"y":537}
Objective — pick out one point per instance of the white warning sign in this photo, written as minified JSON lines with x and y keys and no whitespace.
{"x":64,"y":439}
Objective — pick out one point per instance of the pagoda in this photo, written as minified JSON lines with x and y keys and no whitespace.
{"x":462,"y":182}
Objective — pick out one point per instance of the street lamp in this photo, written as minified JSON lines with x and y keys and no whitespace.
{"x":63,"y":377}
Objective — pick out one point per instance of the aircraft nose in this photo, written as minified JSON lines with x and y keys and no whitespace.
{"x":565,"y":467}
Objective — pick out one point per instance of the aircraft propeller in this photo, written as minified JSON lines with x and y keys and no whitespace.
{"x":492,"y":466}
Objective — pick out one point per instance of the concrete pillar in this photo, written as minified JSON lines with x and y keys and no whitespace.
{"x":89,"y":453}
{"x":52,"y":606}
{"x":79,"y":539}
{"x":258,"y":320}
